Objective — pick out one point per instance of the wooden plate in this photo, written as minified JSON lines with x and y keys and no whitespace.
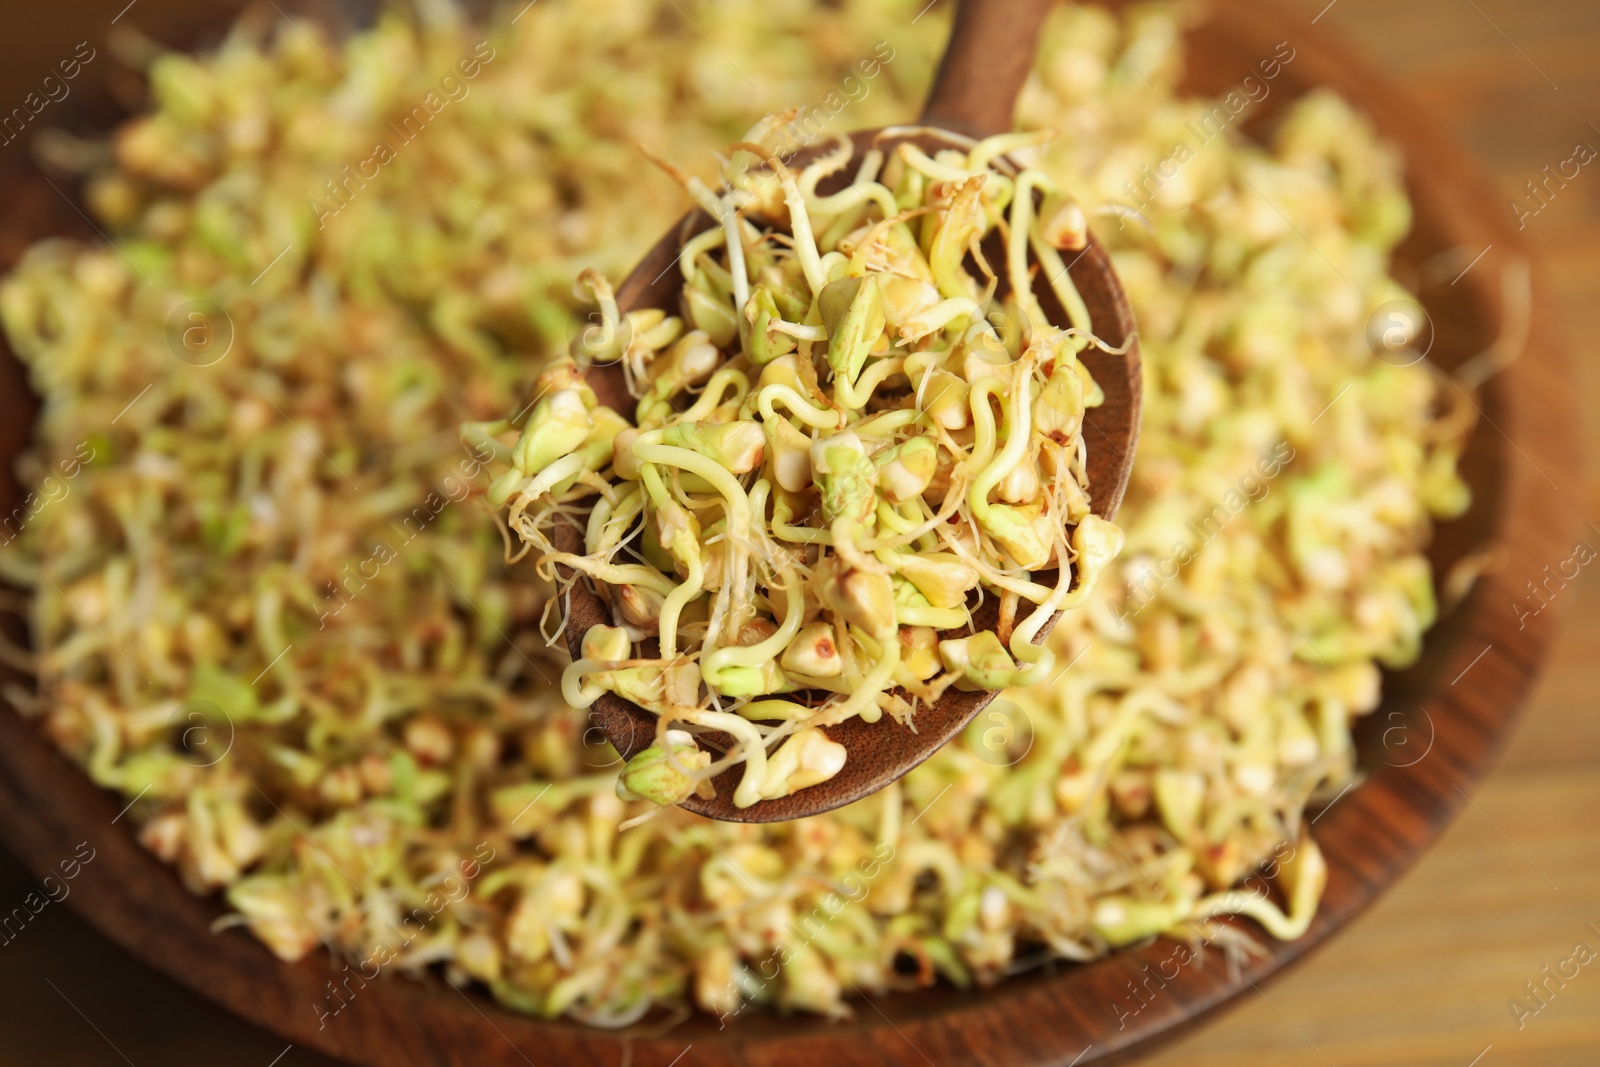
{"x":1438,"y":730}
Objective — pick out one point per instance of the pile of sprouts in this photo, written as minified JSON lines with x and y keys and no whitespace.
{"x":268,"y":605}
{"x":838,"y":440}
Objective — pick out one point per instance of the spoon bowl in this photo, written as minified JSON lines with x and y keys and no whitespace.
{"x":966,"y":99}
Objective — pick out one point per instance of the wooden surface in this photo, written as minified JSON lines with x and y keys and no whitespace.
{"x":1424,"y":978}
{"x":988,"y":58}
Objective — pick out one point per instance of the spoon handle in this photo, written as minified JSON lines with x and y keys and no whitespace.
{"x":992,"y":45}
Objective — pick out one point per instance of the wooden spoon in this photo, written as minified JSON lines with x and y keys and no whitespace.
{"x":990,"y":52}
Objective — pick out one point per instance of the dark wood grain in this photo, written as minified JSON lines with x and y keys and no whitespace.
{"x":885,"y":751}
{"x":991,"y":49}
{"x":1369,"y":837}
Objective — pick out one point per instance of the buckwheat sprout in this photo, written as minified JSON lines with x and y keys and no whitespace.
{"x":1022,"y":223}
{"x":546,"y":480}
{"x":1060,"y":280}
{"x":986,"y":151}
{"x":934,"y":522}
{"x":863,"y":190}
{"x":593,"y":287}
{"x":802,"y":409}
{"x":852,"y":198}
{"x":620,"y":574}
{"x":805,"y":535}
{"x":751,"y":741}
{"x":831,"y":162}
{"x":696,"y":247}
{"x":776,"y":710}
{"x":855,"y":395}
{"x":738,"y":504}
{"x":888,"y":423}
{"x":725,"y":379}
{"x":736,"y":266}
{"x":999,"y":579}
{"x":915,"y":158}
{"x":713,"y":664}
{"x":799,"y":331}
{"x":871,"y":167}
{"x":996,"y":185}
{"x":942,"y":314}
{"x":992,"y":467}
{"x":799,"y":220}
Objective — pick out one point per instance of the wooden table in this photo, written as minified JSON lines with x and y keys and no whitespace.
{"x":1426,"y":978}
